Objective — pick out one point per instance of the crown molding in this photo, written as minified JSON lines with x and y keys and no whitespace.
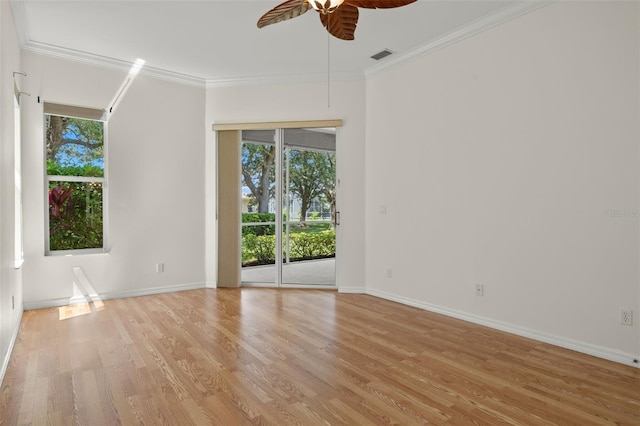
{"x":285,"y":79}
{"x":504,"y":15}
{"x":24,"y":38}
{"x":112,"y":63}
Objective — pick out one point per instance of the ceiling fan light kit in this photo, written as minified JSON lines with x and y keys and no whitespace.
{"x":344,"y":13}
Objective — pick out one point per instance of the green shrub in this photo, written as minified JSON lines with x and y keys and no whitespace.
{"x":261,"y":248}
{"x":75,"y":215}
{"x":56,"y":169}
{"x":313,"y":246}
{"x":258,"y":229}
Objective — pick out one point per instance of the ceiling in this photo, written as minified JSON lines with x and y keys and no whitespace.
{"x":217,"y":41}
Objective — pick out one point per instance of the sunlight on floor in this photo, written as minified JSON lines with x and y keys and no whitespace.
{"x":93,"y":301}
{"x":72,"y":311}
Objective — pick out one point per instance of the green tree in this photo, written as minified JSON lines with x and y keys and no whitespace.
{"x":329,"y":184}
{"x":73,"y":141}
{"x":258,"y":171}
{"x":311,"y":175}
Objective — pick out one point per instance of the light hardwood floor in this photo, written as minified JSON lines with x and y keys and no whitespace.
{"x":301,"y":357}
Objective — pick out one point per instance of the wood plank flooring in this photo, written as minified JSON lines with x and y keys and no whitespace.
{"x":298,"y":357}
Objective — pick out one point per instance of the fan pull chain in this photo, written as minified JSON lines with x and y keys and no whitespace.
{"x":328,"y":61}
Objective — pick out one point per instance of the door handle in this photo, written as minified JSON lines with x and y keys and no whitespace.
{"x":336,"y":218}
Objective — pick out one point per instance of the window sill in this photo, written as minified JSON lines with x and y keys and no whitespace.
{"x":81,"y":252}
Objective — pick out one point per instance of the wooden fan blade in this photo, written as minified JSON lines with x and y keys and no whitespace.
{"x":379,"y":4}
{"x":287,"y":10}
{"x":342,"y":22}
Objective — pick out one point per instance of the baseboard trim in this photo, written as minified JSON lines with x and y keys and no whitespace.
{"x":55,"y":303}
{"x":152,"y":291}
{"x":352,"y":290}
{"x":7,"y":355}
{"x":586,"y":348}
{"x":44,"y":304}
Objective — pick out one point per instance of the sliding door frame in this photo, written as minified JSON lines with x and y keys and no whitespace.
{"x":228,"y":228}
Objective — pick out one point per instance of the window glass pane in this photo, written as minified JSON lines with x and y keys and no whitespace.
{"x":75,"y":215}
{"x":18,"y":186}
{"x":75,"y":146}
{"x":258,"y":205}
{"x":309,"y":178}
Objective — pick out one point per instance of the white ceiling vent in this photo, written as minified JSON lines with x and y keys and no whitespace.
{"x":382,"y":54}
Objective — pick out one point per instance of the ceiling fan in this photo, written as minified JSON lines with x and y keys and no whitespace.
{"x":339,"y":17}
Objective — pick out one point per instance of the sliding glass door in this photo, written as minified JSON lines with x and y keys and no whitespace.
{"x":308,"y":203}
{"x":259,"y":225}
{"x":288,"y":207}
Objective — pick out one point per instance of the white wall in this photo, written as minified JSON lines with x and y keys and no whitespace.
{"x":292,"y":103}
{"x":498,"y":159}
{"x":10,"y":278}
{"x":156,"y":183}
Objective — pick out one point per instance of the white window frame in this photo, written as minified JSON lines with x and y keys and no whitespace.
{"x":17,"y":167}
{"x":86,"y":114}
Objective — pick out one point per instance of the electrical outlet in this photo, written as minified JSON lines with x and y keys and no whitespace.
{"x":626,"y":316}
{"x":389,"y":273}
{"x":479,"y":290}
{"x":159,"y":268}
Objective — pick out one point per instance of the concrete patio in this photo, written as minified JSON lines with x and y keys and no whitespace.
{"x":310,"y":272}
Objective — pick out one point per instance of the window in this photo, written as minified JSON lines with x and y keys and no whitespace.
{"x":75,"y":143}
{"x":18,"y":252}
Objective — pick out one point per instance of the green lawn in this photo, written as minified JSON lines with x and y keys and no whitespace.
{"x":311,"y":228}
